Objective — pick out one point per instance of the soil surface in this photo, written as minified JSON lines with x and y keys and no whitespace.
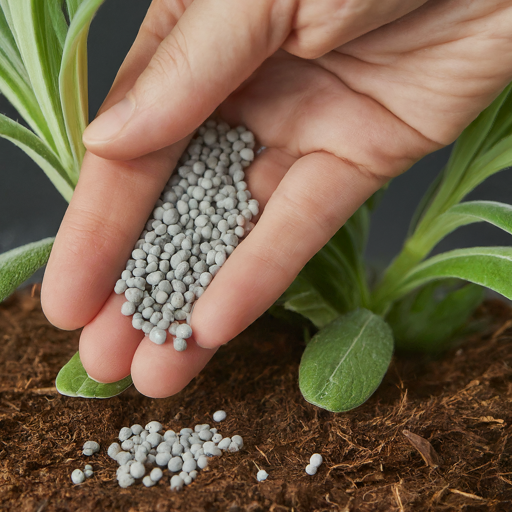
{"x":460,"y":406}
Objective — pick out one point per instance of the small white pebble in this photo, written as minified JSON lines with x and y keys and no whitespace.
{"x":202,"y":462}
{"x":137,"y":470}
{"x":154,"y":427}
{"x":216,"y":438}
{"x":219,"y":416}
{"x":163,"y":458}
{"x":261,"y":475}
{"x":125,"y":480}
{"x":233,"y":447}
{"x":148,"y":482}
{"x":311,"y":470}
{"x":180,"y":344}
{"x":77,"y":477}
{"x":316,"y":460}
{"x":125,"y":433}
{"x":189,"y":465}
{"x":113,"y":450}
{"x":176,"y":483}
{"x":238,"y":441}
{"x":136,"y":429}
{"x":90,"y":448}
{"x":175,"y":464}
{"x":88,"y":473}
{"x":157,"y":336}
{"x":224,"y":444}
{"x":154,"y":439}
{"x":183,"y":331}
{"x":123,"y":457}
{"x":156,"y":474}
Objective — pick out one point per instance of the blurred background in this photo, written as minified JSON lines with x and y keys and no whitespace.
{"x":31,"y":209}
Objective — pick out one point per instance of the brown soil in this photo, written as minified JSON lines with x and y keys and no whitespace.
{"x":461,"y":404}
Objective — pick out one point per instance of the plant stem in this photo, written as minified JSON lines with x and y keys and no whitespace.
{"x":407,"y":259}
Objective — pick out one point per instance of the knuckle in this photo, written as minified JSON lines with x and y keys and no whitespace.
{"x":171,"y":58}
{"x":89,"y":233}
{"x":306,"y":48}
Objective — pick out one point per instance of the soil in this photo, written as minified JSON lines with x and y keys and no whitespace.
{"x":457,"y":410}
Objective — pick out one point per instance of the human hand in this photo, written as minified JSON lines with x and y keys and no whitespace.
{"x":337,"y":127}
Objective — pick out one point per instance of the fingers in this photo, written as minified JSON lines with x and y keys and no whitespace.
{"x":108,"y":343}
{"x":211,"y":50}
{"x":106,"y":215}
{"x":313,"y":200}
{"x":319,"y":27}
{"x":159,"y":371}
{"x":111,"y":349}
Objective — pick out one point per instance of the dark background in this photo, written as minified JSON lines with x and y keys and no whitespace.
{"x":31,"y":209}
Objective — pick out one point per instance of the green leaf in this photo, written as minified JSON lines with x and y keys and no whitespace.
{"x":17,"y":265}
{"x":301,"y":297}
{"x":425,"y":203}
{"x":58,"y":20}
{"x":487,"y":266}
{"x":496,"y":159}
{"x":72,"y":6}
{"x":337,"y":271}
{"x":39,"y":152}
{"x":15,"y":83}
{"x":41,"y":54}
{"x":346,"y":361}
{"x":497,"y":214}
{"x":428,"y":318}
{"x":73,"y":77}
{"x":73,"y":380}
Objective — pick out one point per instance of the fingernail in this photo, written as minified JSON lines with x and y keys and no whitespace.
{"x":110,"y":123}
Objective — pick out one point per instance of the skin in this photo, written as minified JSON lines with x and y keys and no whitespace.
{"x":343,"y":96}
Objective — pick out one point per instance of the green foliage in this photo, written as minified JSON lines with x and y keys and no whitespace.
{"x":346,"y":361}
{"x":43,"y":73}
{"x":19,"y":264}
{"x":429,"y":318}
{"x":73,"y":380}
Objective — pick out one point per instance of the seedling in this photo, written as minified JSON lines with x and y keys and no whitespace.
{"x":43,"y":73}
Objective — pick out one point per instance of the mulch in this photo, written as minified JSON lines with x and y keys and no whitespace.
{"x":436,"y":436}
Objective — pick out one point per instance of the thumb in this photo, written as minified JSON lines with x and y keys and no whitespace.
{"x":212,"y":49}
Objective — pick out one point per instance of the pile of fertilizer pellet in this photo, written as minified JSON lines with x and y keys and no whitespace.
{"x":182,"y":453}
{"x":203,"y":212}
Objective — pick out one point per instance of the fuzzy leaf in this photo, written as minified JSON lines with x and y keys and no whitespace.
{"x":428,"y":318}
{"x":337,"y":270}
{"x":41,"y":56}
{"x":487,"y":266}
{"x":39,"y":152}
{"x":17,"y":265}
{"x":497,"y":214}
{"x":346,"y":361}
{"x":73,"y":380}
{"x":301,"y":297}
{"x":73,"y":77}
